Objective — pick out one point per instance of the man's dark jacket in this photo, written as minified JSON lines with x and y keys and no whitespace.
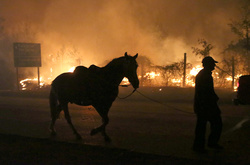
{"x":205,"y":100}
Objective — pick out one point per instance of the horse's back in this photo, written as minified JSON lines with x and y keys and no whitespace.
{"x":94,"y":69}
{"x":80,"y":70}
{"x":80,"y":73}
{"x":62,"y":79}
{"x":84,"y":84}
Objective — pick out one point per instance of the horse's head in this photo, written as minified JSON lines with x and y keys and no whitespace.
{"x":130,"y":70}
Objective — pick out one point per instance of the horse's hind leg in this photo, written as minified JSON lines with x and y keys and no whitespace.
{"x":52,"y":128}
{"x":105,"y":121}
{"x":67,"y":116}
{"x":54,"y":116}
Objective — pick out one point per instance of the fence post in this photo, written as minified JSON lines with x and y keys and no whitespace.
{"x":233,"y":72}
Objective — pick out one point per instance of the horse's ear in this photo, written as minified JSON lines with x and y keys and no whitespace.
{"x":136,"y":56}
{"x":126,"y":55}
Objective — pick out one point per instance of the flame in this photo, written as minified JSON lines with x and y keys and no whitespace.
{"x":195,"y":70}
{"x":229,"y":79}
{"x":72,"y":69}
{"x":151,"y":75}
{"x":33,"y":81}
{"x":176,"y":80}
{"x":235,"y":79}
{"x":152,"y":78}
{"x":125,"y":81}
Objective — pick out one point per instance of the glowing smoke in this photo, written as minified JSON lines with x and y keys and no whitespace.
{"x":99,"y":30}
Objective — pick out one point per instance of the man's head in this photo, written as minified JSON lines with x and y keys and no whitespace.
{"x":209,"y":63}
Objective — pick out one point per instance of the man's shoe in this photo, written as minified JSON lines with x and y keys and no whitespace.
{"x":216,"y":146}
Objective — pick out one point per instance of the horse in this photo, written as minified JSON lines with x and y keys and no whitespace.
{"x":96,"y":86}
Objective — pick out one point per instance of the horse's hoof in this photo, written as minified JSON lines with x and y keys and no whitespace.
{"x":93,"y":132}
{"x":53,"y":133}
{"x":78,"y":137}
{"x":107,"y":139}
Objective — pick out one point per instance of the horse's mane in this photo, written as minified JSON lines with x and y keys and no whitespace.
{"x":115,"y":62}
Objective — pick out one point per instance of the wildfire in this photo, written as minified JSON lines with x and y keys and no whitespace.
{"x":195,"y":70}
{"x":176,"y":80}
{"x":235,"y":83}
{"x":190,"y":77}
{"x":125,"y":81}
{"x":151,"y":78}
{"x":231,"y":79}
{"x":31,"y":83}
{"x":72,"y":69}
{"x":151,"y":75}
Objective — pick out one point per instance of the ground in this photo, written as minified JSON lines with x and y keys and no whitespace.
{"x":153,"y":130}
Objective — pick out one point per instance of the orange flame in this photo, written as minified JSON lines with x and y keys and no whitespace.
{"x":151,"y":75}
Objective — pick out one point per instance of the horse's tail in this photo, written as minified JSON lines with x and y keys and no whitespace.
{"x":53,"y":101}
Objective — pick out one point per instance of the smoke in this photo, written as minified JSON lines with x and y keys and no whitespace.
{"x":162,"y":30}
{"x":91,"y":32}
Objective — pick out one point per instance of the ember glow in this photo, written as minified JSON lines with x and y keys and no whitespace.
{"x":91,"y":32}
{"x":151,"y":75}
{"x":31,"y":83}
{"x":229,"y":78}
{"x":72,"y":69}
{"x":195,"y":70}
{"x":125,"y":81}
{"x":151,"y":78}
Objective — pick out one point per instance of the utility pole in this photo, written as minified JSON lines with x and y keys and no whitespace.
{"x":184,"y":72}
{"x":17,"y":80}
{"x":248,"y":47}
{"x":142,"y":73}
{"x":38,"y":80}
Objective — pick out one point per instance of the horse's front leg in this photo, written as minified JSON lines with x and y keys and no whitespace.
{"x":102,"y":128}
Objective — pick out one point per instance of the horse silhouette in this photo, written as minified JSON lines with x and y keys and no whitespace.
{"x":91,"y":86}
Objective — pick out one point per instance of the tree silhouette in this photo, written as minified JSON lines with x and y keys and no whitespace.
{"x":205,"y":50}
{"x":241,"y":28}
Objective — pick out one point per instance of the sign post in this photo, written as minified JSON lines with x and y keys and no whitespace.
{"x":27,"y":55}
{"x":184,"y":70}
{"x":17,"y":81}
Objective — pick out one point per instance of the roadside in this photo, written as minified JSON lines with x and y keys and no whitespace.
{"x":17,"y":149}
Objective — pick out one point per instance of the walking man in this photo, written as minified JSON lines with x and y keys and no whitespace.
{"x":206,"y":108}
